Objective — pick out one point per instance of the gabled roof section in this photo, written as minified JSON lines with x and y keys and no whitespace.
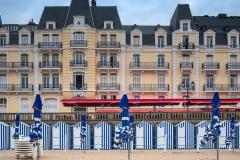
{"x":182,"y":12}
{"x":106,"y":13}
{"x":79,"y":8}
{"x":55,"y":13}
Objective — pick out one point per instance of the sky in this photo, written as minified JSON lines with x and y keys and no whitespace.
{"x":141,"y":12}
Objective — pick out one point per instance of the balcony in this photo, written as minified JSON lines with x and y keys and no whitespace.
{"x":148,"y":66}
{"x":233,"y":46}
{"x":186,"y":65}
{"x":16,"y":88}
{"x":108,"y":65}
{"x":78,"y":64}
{"x":50,"y":65}
{"x":233,"y":66}
{"x":108,"y":44}
{"x":186,"y":46}
{"x":211,"y":66}
{"x":50,"y":87}
{"x":78,"y":43}
{"x":108,"y":86}
{"x":221,"y":87}
{"x":183,"y":88}
{"x":16,"y":66}
{"x":78,"y":87}
{"x":149,"y":87}
{"x":50,"y":45}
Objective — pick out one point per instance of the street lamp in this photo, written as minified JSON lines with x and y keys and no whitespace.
{"x":188,"y":87}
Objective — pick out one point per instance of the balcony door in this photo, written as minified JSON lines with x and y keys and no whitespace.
{"x":161,"y":81}
{"x":78,"y":36}
{"x":136,"y":79}
{"x":185,"y":40}
{"x":45,"y":60}
{"x":46,"y":81}
{"x":79,"y":81}
{"x":113,"y":60}
{"x":24,"y":81}
{"x":185,"y":80}
{"x":103,"y":60}
{"x":55,"y":81}
{"x":24,"y":60}
{"x":161,"y":60}
{"x":113,"y":79}
{"x":103,"y":78}
{"x":55,"y":60}
{"x":136,"y":61}
{"x":210,"y":81}
{"x":3,"y":82}
{"x":78,"y":58}
{"x":113,"y":40}
{"x":234,"y":81}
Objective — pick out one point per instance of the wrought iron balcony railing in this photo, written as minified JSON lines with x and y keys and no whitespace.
{"x":221,"y":87}
{"x":211,"y":66}
{"x":46,"y":65}
{"x":108,"y":65}
{"x":108,"y":86}
{"x":233,"y":46}
{"x":149,"y":65}
{"x":16,"y":87}
{"x":233,"y":66}
{"x":149,"y":87}
{"x":50,"y":87}
{"x":78,"y":43}
{"x":78,"y":87}
{"x":78,"y":64}
{"x":16,"y":65}
{"x":185,"y":88}
{"x":50,"y":45}
{"x":108,"y":44}
{"x":186,"y":65}
{"x":187,"y":46}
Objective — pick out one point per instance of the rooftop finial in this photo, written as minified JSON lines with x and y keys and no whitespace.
{"x":94,"y":3}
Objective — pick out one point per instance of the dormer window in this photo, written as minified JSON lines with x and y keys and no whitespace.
{"x":108,"y":25}
{"x":3,"y":40}
{"x":24,"y":39}
{"x":233,"y":41}
{"x":136,"y":40}
{"x":160,"y":42}
{"x":50,"y":25}
{"x":209,"y":41}
{"x":185,"y":27}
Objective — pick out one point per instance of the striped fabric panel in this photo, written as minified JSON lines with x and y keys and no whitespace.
{"x":46,"y":133}
{"x":102,"y":136}
{"x":185,"y":135}
{"x":237,"y":133}
{"x":77,"y":144}
{"x":225,"y":130}
{"x":164,"y":128}
{"x":144,"y":136}
{"x":4,"y":136}
{"x":60,"y":136}
{"x":24,"y":130}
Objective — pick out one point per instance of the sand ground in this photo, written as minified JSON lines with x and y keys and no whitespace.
{"x":135,"y":155}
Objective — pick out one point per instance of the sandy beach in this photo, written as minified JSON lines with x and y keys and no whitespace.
{"x":136,"y":155}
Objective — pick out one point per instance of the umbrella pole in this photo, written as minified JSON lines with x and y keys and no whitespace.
{"x":233,"y":145}
{"x":217,"y":148}
{"x":129,"y":146}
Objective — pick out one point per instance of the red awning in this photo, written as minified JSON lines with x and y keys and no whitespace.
{"x":143,"y":102}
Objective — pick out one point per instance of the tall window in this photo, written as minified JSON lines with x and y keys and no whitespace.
{"x":161,"y":79}
{"x":161,"y":42}
{"x":3,"y":60}
{"x":3,"y":40}
{"x":24,"y":81}
{"x":185,"y":58}
{"x":78,"y":57}
{"x":50,"y":105}
{"x":55,"y":38}
{"x":233,"y":58}
{"x":3,"y":105}
{"x":209,"y":41}
{"x":185,"y":40}
{"x":209,"y":58}
{"x":3,"y":82}
{"x":55,"y":81}
{"x":24,"y":60}
{"x":103,"y":38}
{"x":136,"y":80}
{"x":45,"y":60}
{"x":113,"y":78}
{"x":46,"y":81}
{"x":233,"y":41}
{"x":161,"y":60}
{"x":24,"y":107}
{"x":45,"y":38}
{"x":24,"y":39}
{"x":113,"y":38}
{"x":78,"y":36}
{"x":113,"y":60}
{"x":79,"y":81}
{"x":185,"y":80}
{"x":185,"y":26}
{"x":103,"y":60}
{"x":234,"y":81}
{"x":108,"y":26}
{"x":104,"y":78}
{"x":210,"y":81}
{"x":136,"y":40}
{"x":136,"y":60}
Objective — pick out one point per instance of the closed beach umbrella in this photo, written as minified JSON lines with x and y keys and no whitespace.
{"x":83,"y":132}
{"x":17,"y":125}
{"x":36,"y":133}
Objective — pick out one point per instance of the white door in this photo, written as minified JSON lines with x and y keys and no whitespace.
{"x":56,"y":137}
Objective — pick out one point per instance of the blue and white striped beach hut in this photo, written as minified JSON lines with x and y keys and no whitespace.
{"x":144,"y":136}
{"x":124,"y":145}
{"x":184,"y":135}
{"x":77,"y":139}
{"x":200,"y":132}
{"x":225,"y":130}
{"x":102,"y":136}
{"x":46,"y":133}
{"x":4,"y":136}
{"x":237,"y":134}
{"x":24,"y":130}
{"x":164,"y":129}
{"x":60,"y":136}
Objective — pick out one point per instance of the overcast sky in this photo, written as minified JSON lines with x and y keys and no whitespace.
{"x":144,"y":12}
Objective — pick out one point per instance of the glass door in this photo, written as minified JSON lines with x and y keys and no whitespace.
{"x":210,"y":81}
{"x":234,"y":81}
{"x":24,"y":60}
{"x":24,"y":81}
{"x":136,"y":61}
{"x":103,"y":60}
{"x":3,"y":82}
{"x":55,"y":81}
{"x":161,"y":60}
{"x":46,"y":81}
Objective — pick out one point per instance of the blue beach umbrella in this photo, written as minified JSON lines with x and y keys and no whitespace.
{"x":17,"y":125}
{"x":231,"y":136}
{"x":83,"y":132}
{"x":36,"y":133}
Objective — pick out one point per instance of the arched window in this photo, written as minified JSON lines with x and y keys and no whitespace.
{"x":51,"y":105}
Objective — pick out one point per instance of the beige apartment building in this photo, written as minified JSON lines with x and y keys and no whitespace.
{"x":83,"y":51}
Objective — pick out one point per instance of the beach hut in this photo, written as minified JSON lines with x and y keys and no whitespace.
{"x":225,"y":131}
{"x":164,"y":135}
{"x":46,"y":133}
{"x":237,"y":134}
{"x":4,"y":136}
{"x":102,"y":136}
{"x":60,"y":136}
{"x":77,"y":144}
{"x":24,"y":130}
{"x":184,"y":135}
{"x":199,"y":133}
{"x":144,"y":136}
